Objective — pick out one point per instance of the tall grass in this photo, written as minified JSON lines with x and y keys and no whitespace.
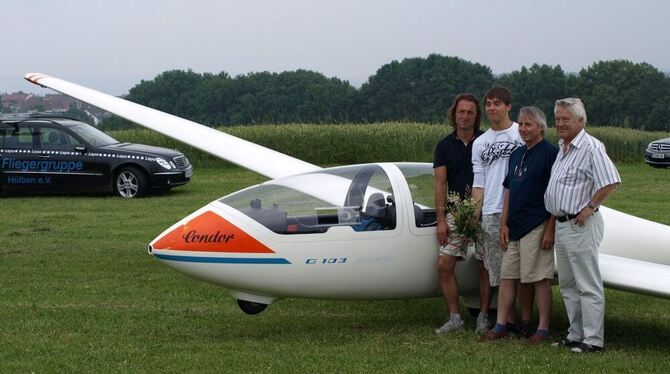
{"x":349,"y":143}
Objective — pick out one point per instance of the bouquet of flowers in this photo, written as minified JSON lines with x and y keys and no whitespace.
{"x":464,"y":211}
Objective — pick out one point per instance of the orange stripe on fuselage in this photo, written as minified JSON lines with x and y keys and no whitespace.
{"x":210,"y":232}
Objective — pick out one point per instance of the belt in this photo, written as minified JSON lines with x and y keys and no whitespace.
{"x":570,"y":217}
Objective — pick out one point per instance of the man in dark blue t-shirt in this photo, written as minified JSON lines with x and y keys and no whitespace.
{"x":453,"y":173}
{"x":527,"y":229}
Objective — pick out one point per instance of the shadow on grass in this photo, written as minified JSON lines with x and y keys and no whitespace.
{"x":313,"y":318}
{"x":634,"y":334}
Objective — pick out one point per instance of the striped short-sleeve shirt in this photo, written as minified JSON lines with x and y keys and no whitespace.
{"x":578,"y":174}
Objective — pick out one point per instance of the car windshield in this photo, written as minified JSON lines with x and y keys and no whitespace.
{"x":92,"y":135}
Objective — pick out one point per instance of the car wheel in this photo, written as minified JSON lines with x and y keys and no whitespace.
{"x":131,"y":182}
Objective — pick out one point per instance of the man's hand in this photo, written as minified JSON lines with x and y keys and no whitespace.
{"x":584,"y":216}
{"x":504,"y":237}
{"x":597,"y":199}
{"x":442,"y":232}
{"x":549,"y":234}
{"x":547,"y":240}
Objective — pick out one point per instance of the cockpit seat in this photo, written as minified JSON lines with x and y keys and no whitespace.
{"x":376,"y":206}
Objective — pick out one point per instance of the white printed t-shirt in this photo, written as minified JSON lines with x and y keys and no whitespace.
{"x":490,"y":158}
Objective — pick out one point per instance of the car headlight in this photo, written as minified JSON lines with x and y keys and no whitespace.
{"x":162,"y":162}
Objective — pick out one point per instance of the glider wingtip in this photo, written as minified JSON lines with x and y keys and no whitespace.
{"x":34,"y":77}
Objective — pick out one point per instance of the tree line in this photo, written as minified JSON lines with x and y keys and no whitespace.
{"x":616,"y":93}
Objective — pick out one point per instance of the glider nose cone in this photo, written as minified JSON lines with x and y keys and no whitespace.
{"x":208,"y":232}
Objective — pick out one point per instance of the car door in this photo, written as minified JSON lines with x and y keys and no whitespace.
{"x":63,"y":162}
{"x":4,"y":130}
{"x":19,"y":161}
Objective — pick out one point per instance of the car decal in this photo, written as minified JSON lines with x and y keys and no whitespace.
{"x":20,"y":179}
{"x":78,"y":154}
{"x":10,"y":163}
{"x":50,"y":172}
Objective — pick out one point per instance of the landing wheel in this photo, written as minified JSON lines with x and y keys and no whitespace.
{"x":249,"y":307}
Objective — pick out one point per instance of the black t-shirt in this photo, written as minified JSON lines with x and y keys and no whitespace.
{"x":457,"y":157}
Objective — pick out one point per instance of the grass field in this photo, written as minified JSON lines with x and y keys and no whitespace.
{"x":80,"y":294}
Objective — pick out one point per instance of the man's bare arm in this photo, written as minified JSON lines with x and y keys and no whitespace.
{"x":478,"y":197}
{"x":504,"y":229}
{"x":440,"y":204}
{"x":597,"y":199}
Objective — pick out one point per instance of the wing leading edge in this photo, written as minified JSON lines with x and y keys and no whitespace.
{"x":635,"y":275}
{"x":246,"y":154}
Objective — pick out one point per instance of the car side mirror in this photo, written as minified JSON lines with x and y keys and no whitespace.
{"x":80,"y":148}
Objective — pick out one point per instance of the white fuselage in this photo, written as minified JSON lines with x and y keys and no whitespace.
{"x":345,"y":264}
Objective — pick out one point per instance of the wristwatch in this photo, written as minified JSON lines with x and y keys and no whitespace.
{"x":592,"y":206}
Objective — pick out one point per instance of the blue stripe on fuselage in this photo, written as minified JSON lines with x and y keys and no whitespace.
{"x":223,"y":260}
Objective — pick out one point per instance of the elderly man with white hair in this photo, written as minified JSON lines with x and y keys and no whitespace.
{"x":582,"y":177}
{"x":527,"y":229}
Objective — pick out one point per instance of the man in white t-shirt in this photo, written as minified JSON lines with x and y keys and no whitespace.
{"x":490,"y":156}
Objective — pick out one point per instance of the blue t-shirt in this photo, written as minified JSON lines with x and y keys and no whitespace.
{"x":527,"y":178}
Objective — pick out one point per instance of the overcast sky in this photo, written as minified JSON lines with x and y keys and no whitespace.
{"x":112,"y":45}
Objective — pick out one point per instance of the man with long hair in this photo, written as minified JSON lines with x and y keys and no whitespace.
{"x":453,"y":173}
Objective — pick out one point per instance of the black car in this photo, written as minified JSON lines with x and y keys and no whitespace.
{"x":64,"y":155}
{"x":658,"y":153}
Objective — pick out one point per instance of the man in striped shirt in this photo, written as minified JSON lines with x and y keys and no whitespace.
{"x":582,"y":177}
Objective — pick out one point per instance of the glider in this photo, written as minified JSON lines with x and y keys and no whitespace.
{"x":353,"y":232}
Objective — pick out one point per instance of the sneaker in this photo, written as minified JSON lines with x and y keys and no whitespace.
{"x":536,"y":339}
{"x":586,"y":348}
{"x":492,"y":335}
{"x":483,"y":324}
{"x":565,"y":343}
{"x":450,"y":325}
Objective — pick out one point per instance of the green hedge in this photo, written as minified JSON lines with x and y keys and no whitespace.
{"x":352,"y":144}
